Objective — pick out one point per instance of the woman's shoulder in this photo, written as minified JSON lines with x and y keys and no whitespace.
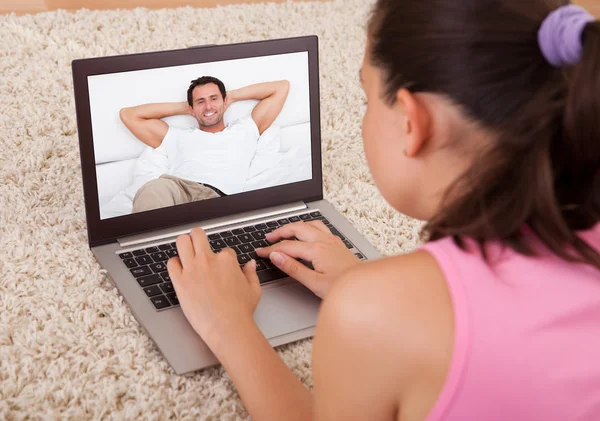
{"x":417,"y":272}
{"x":402,"y":304}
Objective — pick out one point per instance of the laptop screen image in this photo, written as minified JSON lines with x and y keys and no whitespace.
{"x":214,"y":148}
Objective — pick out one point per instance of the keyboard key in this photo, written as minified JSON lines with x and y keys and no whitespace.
{"x":152,"y":291}
{"x":158,"y":267}
{"x":166,"y":277}
{"x":151,"y":250}
{"x":260,"y":265}
{"x":294,"y":219}
{"x":167,"y":287}
{"x":174,"y":246}
{"x":268,"y":275}
{"x":243,"y":259}
{"x":325,"y":220}
{"x":272,"y":224}
{"x":164,"y":247}
{"x":144,"y":260}
{"x":130,"y":263}
{"x":160,"y":302}
{"x":126,"y":255}
{"x":305,"y":217}
{"x":359,"y":255}
{"x":141,"y":271}
{"x":146,"y":281}
{"x":268,"y":263}
{"x":138,"y":252}
{"x":171,"y":253}
{"x":348,"y":244}
{"x":253,"y":255}
{"x":226,"y":234}
{"x":160,"y":257}
{"x":245,"y":238}
{"x":315,"y":214}
{"x":173,"y":298}
{"x":269,"y":230}
{"x":216,"y":236}
{"x":260,"y":244}
{"x":238,"y":231}
{"x":283,"y":221}
{"x":261,"y":226}
{"x":232,"y":241}
{"x":258,"y":235}
{"x":246,"y":248}
{"x":249,"y":229}
{"x":218,"y":244}
{"x":336,"y":232}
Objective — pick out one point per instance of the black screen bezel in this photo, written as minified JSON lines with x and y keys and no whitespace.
{"x":108,"y":230}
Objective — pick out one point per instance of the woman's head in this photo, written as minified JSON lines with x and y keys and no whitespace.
{"x":470,"y":127}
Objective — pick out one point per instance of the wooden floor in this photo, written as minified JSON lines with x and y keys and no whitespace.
{"x":34,"y":6}
{"x":21,"y":7}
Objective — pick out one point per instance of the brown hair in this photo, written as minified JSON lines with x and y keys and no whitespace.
{"x":204,"y":80}
{"x":542,"y":170}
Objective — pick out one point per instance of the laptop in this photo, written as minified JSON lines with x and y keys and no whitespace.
{"x":269,"y":178}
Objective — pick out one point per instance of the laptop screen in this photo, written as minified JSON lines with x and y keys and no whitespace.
{"x":153,"y":150}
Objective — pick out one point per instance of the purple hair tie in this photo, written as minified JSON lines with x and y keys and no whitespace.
{"x":559,"y":36}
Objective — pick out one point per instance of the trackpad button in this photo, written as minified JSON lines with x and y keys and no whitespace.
{"x":286,"y":309}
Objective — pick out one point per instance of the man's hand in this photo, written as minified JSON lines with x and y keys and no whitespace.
{"x":327,"y":253}
{"x":144,"y":121}
{"x":215,"y":295}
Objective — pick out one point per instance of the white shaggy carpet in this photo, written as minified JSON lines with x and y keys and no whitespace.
{"x":69,"y":347}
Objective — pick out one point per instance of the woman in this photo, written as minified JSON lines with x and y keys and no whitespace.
{"x":483,"y":119}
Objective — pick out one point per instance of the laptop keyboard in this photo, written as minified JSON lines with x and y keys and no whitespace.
{"x":149,"y":265}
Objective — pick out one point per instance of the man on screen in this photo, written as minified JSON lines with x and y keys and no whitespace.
{"x":210,"y":161}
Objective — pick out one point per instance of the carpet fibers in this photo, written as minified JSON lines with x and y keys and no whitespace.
{"x":69,"y":346}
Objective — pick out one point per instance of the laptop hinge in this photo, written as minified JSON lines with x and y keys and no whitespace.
{"x":242,"y":218}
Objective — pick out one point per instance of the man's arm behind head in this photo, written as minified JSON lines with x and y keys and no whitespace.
{"x":144,"y":121}
{"x":267,"y":110}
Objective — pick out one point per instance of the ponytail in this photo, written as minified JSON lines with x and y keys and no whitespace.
{"x":578,"y":154}
{"x":543,"y":168}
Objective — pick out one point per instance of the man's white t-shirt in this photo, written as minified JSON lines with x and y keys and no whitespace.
{"x":220,"y":159}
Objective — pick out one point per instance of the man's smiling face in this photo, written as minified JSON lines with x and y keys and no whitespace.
{"x":208,"y":105}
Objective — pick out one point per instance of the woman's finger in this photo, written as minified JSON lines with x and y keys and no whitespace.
{"x":296,"y":249}
{"x":185,"y":250}
{"x":308,"y":277}
{"x":200,"y":242}
{"x":250,"y":272}
{"x":174,"y":268}
{"x":319,"y":225}
{"x":300,"y":230}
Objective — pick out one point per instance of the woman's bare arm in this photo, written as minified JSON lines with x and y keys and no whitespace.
{"x":383,"y":341}
{"x":269,"y":390}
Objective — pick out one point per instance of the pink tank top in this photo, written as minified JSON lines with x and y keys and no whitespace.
{"x":527,"y":335}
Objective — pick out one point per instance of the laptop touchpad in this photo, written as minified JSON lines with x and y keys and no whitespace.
{"x":286,"y":309}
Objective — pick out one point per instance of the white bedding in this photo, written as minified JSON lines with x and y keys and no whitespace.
{"x":283,"y":156}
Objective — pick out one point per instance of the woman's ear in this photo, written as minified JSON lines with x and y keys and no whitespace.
{"x":417,"y":124}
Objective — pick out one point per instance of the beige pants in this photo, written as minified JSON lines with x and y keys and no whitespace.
{"x":169,"y":191}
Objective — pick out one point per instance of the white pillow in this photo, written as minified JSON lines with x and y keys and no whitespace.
{"x":118,"y":144}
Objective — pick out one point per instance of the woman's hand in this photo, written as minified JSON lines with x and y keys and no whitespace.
{"x":215,"y":295}
{"x":327,"y":253}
